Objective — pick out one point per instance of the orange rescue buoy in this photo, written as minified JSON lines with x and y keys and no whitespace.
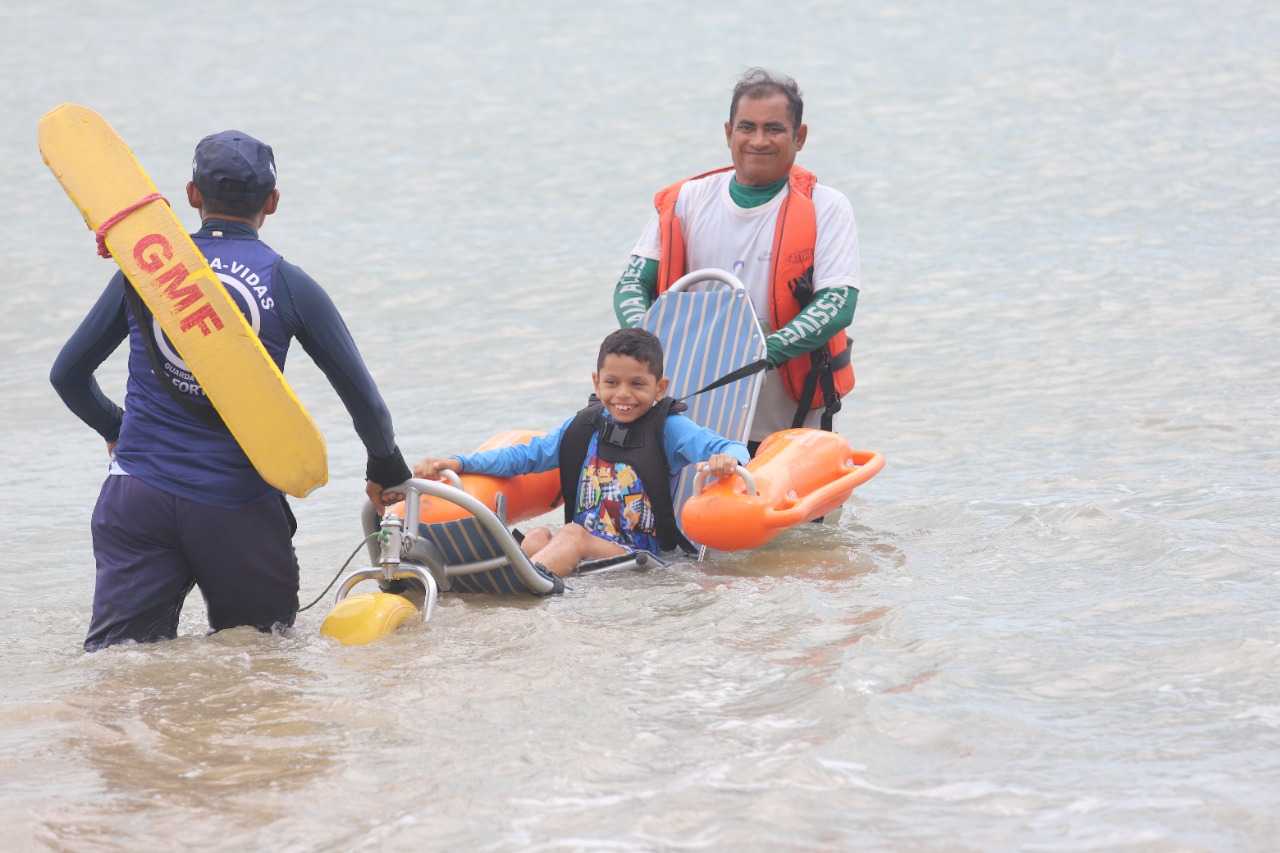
{"x":799,"y":475}
{"x":528,"y":495}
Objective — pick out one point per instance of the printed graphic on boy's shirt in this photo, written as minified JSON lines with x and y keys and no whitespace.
{"x":611,"y":502}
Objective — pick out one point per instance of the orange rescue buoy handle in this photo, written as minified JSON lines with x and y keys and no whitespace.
{"x":868,"y":463}
{"x":790,"y":511}
{"x":797,"y":475}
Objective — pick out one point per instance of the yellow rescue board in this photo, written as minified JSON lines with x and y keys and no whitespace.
{"x":208,"y":330}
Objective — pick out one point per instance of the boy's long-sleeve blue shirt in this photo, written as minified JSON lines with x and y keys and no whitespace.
{"x":686,"y":443}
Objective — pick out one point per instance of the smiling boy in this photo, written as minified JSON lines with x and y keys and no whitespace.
{"x":618,"y":458}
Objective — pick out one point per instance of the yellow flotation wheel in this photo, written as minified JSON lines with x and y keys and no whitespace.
{"x":366,"y":616}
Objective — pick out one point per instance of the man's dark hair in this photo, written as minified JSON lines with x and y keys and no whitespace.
{"x":236,"y":209}
{"x":643,"y":346}
{"x":761,"y":83}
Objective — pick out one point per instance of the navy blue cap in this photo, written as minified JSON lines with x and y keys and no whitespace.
{"x":233,"y":166}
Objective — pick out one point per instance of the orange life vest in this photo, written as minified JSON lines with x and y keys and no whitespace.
{"x":827,"y":372}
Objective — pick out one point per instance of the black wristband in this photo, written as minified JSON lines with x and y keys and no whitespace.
{"x":388,"y":471}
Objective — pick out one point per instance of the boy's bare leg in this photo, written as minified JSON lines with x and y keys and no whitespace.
{"x":535,"y":540}
{"x":571,"y":545}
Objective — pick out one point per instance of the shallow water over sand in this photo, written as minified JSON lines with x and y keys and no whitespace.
{"x":1049,"y":624}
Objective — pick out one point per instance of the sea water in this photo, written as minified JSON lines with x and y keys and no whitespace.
{"x":1051,"y":622}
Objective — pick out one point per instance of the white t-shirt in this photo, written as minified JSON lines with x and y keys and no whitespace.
{"x":719,"y":234}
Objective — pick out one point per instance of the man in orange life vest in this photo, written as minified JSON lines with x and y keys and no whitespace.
{"x":791,"y":240}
